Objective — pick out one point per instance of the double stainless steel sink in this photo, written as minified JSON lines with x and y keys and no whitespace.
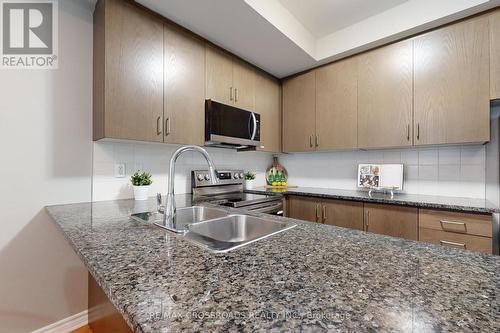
{"x":217,"y":230}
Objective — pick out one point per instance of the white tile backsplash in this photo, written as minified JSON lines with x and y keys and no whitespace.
{"x":155,"y":158}
{"x":428,"y":156}
{"x":451,"y":171}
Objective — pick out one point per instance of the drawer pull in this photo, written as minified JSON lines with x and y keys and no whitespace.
{"x":445,"y":223}
{"x":453,"y":244}
{"x":318,"y":213}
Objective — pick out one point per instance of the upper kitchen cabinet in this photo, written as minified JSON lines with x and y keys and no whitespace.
{"x":452,"y":84}
{"x":184,"y":96}
{"x":244,"y":85}
{"x":385,"y":96}
{"x":128,"y":72}
{"x":268,"y":105}
{"x":299,"y":113}
{"x":229,"y":80}
{"x":219,"y":76}
{"x":495,"y":55}
{"x":337,"y":106}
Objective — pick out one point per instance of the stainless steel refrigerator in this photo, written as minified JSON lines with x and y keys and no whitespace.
{"x":493,"y":171}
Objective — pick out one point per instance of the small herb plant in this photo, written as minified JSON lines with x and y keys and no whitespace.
{"x":141,"y":179}
{"x":249,"y":175}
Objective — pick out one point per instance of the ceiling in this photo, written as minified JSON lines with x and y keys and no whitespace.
{"x":284,"y":37}
{"x":323,"y":17}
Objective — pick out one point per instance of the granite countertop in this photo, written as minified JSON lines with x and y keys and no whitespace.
{"x":415,"y":200}
{"x":311,"y":278}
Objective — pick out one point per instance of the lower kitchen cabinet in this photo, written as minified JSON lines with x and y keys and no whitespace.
{"x":306,"y":209}
{"x":346,"y":214}
{"x":455,"y":240}
{"x":460,"y":230}
{"x":392,"y":220}
{"x":468,"y":231}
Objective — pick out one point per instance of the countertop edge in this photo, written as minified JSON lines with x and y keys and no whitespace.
{"x":387,"y":201}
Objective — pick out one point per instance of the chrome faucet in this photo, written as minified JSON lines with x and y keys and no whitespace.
{"x":169,"y":222}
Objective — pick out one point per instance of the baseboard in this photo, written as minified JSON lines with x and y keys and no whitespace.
{"x":66,"y":325}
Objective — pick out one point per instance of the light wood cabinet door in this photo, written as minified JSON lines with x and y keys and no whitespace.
{"x":268,"y":105}
{"x":219,"y":76}
{"x":301,"y":208}
{"x":392,"y":220}
{"x":244,"y":86}
{"x":184,"y":107}
{"x":451,"y":84}
{"x":495,"y":55}
{"x":347,"y":214}
{"x":385,"y":96}
{"x":133,"y":106}
{"x":299,"y":113}
{"x":337,"y":105}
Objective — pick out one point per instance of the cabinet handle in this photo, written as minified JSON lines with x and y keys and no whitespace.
{"x":324,"y":214}
{"x":317,"y":140}
{"x":158,"y":126}
{"x":444,"y":222}
{"x":418,"y":131}
{"x":231,"y":93}
{"x":452,"y":244}
{"x":367,"y":220}
{"x":167,"y":126}
{"x":318,"y":214}
{"x":236,"y":94}
{"x":310,"y":141}
{"x":408,"y":133}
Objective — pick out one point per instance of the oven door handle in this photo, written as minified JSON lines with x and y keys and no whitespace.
{"x":268,"y":209}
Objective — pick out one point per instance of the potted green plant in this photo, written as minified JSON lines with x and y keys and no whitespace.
{"x":249,"y":180}
{"x":141,"y":181}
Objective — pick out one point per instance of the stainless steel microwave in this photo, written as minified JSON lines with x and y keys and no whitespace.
{"x":230,"y":127}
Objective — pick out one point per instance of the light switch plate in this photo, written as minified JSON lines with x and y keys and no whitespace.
{"x":120,"y":170}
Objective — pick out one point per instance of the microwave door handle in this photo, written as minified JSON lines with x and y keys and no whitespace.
{"x":254,"y":118}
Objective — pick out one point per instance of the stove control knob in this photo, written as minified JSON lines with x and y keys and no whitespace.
{"x":200,"y":177}
{"x":236,"y":176}
{"x":242,"y":175}
{"x":207,"y":177}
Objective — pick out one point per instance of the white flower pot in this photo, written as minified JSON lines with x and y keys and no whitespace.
{"x":141,"y":192}
{"x":249,"y":184}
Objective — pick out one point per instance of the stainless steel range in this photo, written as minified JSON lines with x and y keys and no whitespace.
{"x":229,"y":192}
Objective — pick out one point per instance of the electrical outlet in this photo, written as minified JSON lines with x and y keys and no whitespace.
{"x":120,"y":170}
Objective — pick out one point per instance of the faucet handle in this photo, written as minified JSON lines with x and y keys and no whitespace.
{"x":159,"y":200}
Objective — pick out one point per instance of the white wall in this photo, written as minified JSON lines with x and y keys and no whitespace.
{"x":450,"y":171}
{"x":45,"y":141}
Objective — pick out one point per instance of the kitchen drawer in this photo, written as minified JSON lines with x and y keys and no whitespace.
{"x":470,"y":224}
{"x":456,"y":240}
